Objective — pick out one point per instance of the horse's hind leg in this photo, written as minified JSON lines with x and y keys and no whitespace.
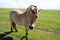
{"x":13,"y":25}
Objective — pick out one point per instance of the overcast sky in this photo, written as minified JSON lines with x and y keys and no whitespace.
{"x":42,"y":4}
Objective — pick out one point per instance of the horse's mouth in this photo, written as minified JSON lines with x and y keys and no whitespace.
{"x":31,"y":26}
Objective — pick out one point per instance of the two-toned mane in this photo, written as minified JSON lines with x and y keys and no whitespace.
{"x":25,"y":19}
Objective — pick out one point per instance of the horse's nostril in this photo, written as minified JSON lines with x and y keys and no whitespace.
{"x":30,"y":27}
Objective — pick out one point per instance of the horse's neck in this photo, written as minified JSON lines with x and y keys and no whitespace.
{"x":27,"y":16}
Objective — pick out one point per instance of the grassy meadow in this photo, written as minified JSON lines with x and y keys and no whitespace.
{"x":47,"y":20}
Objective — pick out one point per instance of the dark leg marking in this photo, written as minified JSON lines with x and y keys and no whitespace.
{"x":27,"y":36}
{"x":13,"y":25}
{"x":26,"y":33}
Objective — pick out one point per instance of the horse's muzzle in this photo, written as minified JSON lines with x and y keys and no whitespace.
{"x":31,"y":26}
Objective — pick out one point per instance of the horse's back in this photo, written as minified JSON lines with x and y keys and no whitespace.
{"x":17,"y":11}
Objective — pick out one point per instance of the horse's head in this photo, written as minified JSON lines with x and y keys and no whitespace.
{"x":32,"y":11}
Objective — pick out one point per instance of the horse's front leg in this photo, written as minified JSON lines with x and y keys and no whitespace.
{"x":26,"y":33}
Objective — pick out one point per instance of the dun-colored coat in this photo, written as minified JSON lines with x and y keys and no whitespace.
{"x":26,"y":18}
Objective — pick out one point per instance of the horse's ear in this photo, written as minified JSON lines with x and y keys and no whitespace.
{"x":28,"y":10}
{"x":39,"y":10}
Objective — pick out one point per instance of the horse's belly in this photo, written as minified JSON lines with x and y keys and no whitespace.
{"x":19,"y":22}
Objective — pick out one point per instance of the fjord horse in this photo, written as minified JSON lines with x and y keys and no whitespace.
{"x":26,"y":18}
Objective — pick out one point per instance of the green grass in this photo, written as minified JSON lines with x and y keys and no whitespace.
{"x":47,"y":20}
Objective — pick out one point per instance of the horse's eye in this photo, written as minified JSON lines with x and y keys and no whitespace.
{"x":32,"y":11}
{"x":36,"y":17}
